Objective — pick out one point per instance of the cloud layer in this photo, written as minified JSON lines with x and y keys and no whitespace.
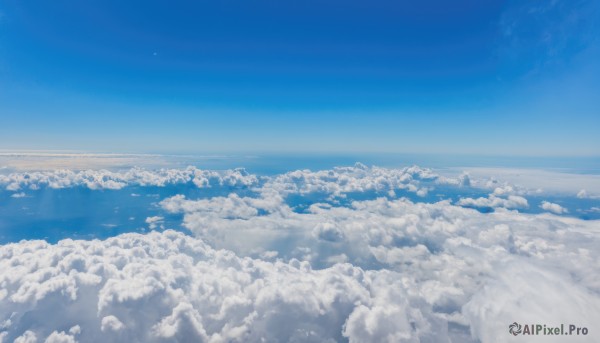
{"x":263,"y":267}
{"x":106,"y":179}
{"x":406,"y":272}
{"x":172,"y":287}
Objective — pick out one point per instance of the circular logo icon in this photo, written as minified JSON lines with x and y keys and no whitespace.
{"x":514,"y":328}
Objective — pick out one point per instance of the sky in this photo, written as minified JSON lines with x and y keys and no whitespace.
{"x":176,"y":171}
{"x":468,"y":77}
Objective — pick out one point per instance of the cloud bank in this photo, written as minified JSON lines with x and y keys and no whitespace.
{"x":259,"y":267}
{"x":172,"y":287}
{"x":106,"y":179}
{"x":336,"y":181}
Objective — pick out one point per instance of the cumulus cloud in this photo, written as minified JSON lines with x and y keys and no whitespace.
{"x":111,"y":323}
{"x":154,"y":222}
{"x":256,"y":268}
{"x":552,"y":207}
{"x":106,"y":179}
{"x":493,"y":201}
{"x":583,"y":194}
{"x":359,"y":178}
{"x":26,"y":337}
{"x":446,"y":251}
{"x":336,"y":182}
{"x":170,"y":286}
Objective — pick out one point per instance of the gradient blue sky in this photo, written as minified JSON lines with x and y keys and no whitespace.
{"x":484,"y":77}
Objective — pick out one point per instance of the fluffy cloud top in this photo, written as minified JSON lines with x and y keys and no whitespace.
{"x":172,"y":287}
{"x":105,"y":179}
{"x":256,"y":268}
{"x":335,"y":182}
{"x":552,"y":207}
{"x":413,"y":272}
{"x":511,"y":202}
{"x":154,"y":222}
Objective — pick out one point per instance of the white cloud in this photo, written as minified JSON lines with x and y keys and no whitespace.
{"x":522,"y":293}
{"x":111,"y":323}
{"x":154,"y":222}
{"x":511,"y":202}
{"x":106,"y":179}
{"x":168,"y":285}
{"x":26,"y":337}
{"x":359,"y":178}
{"x":171,"y":286}
{"x":446,"y":252}
{"x":503,"y":190}
{"x":63,"y":337}
{"x":336,"y":182}
{"x":526,"y":181}
{"x":552,"y":207}
{"x":258,"y":269}
{"x":327,"y":232}
{"x":583,"y":194}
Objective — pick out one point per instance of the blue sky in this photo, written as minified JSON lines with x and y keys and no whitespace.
{"x":483,"y":77}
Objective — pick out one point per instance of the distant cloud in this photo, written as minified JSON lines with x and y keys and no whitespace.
{"x":519,"y":181}
{"x":583,"y":194}
{"x":105,"y":179}
{"x":154,"y":222}
{"x":552,"y":207}
{"x":511,"y":202}
{"x":335,"y":182}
